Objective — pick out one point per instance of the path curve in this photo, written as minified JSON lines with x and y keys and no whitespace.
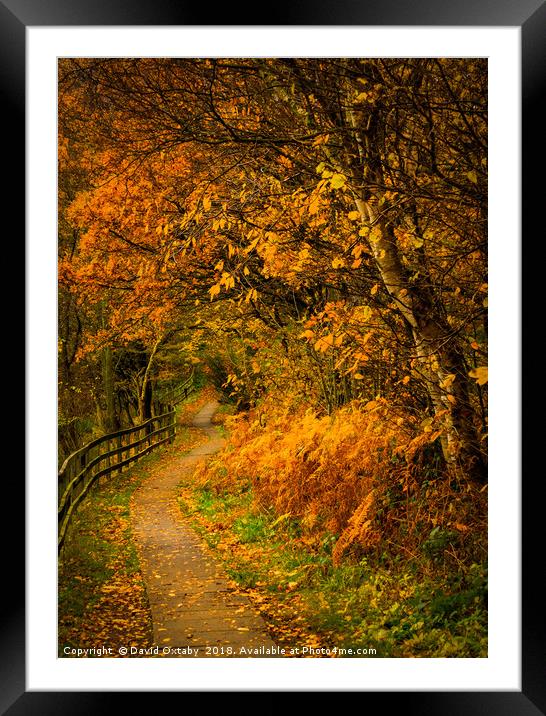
{"x":195,"y":610}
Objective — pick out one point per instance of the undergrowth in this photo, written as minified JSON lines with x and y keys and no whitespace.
{"x":346,"y":524}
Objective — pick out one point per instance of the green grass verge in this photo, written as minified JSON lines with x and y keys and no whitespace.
{"x":390,"y":607}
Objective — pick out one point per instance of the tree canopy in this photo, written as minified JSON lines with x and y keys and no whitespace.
{"x":313,"y":229}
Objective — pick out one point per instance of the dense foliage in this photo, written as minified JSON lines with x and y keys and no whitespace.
{"x":313,"y":233}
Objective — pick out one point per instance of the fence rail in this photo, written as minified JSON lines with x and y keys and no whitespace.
{"x":112,"y":453}
{"x":178,"y":393}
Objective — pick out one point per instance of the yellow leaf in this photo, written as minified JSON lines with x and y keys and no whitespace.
{"x":338,"y":262}
{"x":206,"y":203}
{"x":354,"y":215}
{"x":314,"y":205}
{"x":480,"y":375}
{"x":280,"y":519}
{"x":214,"y":290}
{"x":406,"y":379}
{"x":358,"y":376}
{"x":459,"y":526}
{"x":472,"y":176}
{"x":448,"y":380}
{"x":329,"y":339}
{"x":374,"y":290}
{"x":337,"y":181}
{"x":227,"y":280}
{"x":252,"y":245}
{"x":321,"y":140}
{"x":307,"y":334}
{"x":324,"y":342}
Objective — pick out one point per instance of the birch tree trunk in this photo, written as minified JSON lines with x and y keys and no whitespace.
{"x":440,"y":361}
{"x":145,"y":393}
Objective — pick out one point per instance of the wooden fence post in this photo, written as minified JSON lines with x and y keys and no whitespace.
{"x":172,"y":424}
{"x":82,"y":483}
{"x":108,"y":460}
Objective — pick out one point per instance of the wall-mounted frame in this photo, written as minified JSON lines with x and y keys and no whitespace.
{"x":20,"y":16}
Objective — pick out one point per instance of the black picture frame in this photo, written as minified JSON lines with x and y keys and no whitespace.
{"x":530,"y":17}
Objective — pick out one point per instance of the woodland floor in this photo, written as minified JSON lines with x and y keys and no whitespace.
{"x":160,"y":564}
{"x":136,"y":576}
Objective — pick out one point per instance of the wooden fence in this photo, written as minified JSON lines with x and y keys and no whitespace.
{"x":178,"y":393}
{"x":111,"y":453}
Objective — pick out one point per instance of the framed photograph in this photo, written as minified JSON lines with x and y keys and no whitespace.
{"x":409,"y":189}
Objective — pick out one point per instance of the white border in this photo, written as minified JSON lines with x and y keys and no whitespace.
{"x":501,"y":670}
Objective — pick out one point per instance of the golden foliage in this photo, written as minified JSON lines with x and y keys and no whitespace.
{"x":350,"y":474}
{"x":359,"y":529}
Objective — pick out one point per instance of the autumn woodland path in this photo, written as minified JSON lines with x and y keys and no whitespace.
{"x":307,"y":238}
{"x":192,"y":604}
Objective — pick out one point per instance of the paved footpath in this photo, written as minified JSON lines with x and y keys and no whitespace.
{"x":192,"y":603}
